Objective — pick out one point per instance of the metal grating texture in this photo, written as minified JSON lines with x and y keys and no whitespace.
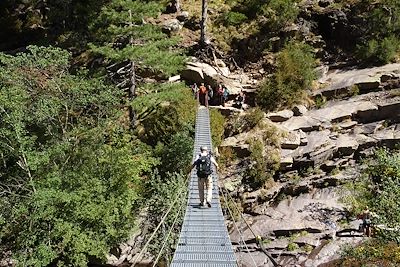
{"x":204,"y":239}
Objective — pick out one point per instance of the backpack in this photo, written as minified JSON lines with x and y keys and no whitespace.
{"x":210,"y":93}
{"x":204,"y":166}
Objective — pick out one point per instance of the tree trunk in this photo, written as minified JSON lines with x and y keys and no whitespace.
{"x":177,"y":4}
{"x":203,"y":24}
{"x":132,"y":88}
{"x":132,"y":78}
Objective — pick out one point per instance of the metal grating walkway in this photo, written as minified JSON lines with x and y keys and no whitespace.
{"x":204,"y":240}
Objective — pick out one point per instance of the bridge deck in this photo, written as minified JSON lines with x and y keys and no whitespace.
{"x":204,"y":239}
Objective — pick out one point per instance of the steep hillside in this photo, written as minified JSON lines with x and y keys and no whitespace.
{"x":96,"y":127}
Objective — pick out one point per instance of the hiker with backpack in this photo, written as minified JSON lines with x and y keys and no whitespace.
{"x":203,"y":164}
{"x":220,"y":94}
{"x":203,"y":95}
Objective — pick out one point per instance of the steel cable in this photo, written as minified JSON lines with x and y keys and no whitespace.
{"x":169,"y":233}
{"x":237,"y":228}
{"x":159,"y":225}
{"x":257,"y":237}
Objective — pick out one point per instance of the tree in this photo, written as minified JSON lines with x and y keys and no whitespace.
{"x":70,"y":176}
{"x":294,"y":74}
{"x":203,"y":23}
{"x":128,"y":41}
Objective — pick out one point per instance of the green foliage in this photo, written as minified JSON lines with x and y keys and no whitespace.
{"x":372,"y":253}
{"x":264,"y":156}
{"x":292,"y":246}
{"x":161,"y":115}
{"x":176,"y":154}
{"x":234,"y":18}
{"x":294,"y":74}
{"x":217,"y":123}
{"x":44,"y":22}
{"x":252,"y":118}
{"x":278,"y":12}
{"x":257,"y":170}
{"x":379,"y":189}
{"x":380,"y":42}
{"x":226,"y":156}
{"x":71,"y":176}
{"x":242,"y":123}
{"x":161,"y":193}
{"x":320,"y":100}
{"x":380,"y":51}
{"x":122,"y":22}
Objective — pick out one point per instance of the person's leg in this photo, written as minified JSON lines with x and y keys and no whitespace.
{"x":201,"y":182}
{"x":209,"y":187}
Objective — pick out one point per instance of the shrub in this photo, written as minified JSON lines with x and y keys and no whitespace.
{"x":226,"y":155}
{"x":379,"y":189}
{"x":217,"y":122}
{"x":294,"y":74}
{"x":252,"y":118}
{"x":372,"y":253}
{"x":379,"y":41}
{"x":292,"y":246}
{"x":379,"y":51}
{"x":264,"y":162}
{"x":234,"y":18}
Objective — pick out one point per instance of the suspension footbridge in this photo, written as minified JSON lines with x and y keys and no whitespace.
{"x":204,"y":239}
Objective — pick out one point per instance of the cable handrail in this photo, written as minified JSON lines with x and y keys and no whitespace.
{"x":169,"y":233}
{"x":237,"y":228}
{"x":257,"y":237}
{"x":159,"y":224}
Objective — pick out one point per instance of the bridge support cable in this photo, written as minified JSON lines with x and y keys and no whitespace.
{"x":257,"y":237}
{"x":162,"y":221}
{"x":242,"y":242}
{"x":168,"y":236}
{"x":204,"y":240}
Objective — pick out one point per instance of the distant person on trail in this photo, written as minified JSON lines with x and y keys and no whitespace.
{"x":220,"y":94}
{"x":203,"y":164}
{"x":203,"y":95}
{"x":239,"y":101}
{"x":195,"y":90}
{"x":225,"y":96}
{"x":365,"y":216}
{"x":210,"y":93}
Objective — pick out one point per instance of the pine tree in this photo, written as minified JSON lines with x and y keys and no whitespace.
{"x":125,"y":37}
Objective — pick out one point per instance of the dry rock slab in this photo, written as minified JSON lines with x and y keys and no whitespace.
{"x":347,"y":124}
{"x":291,"y":141}
{"x":280,"y":116}
{"x":343,"y":110}
{"x":304,"y":123}
{"x":240,"y":148}
{"x":346,"y":145}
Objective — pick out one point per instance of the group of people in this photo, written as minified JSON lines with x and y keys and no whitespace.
{"x":208,"y":95}
{"x":216,"y":96}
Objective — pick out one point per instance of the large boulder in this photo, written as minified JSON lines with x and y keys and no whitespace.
{"x":172,"y":25}
{"x":202,"y":72}
{"x":237,"y":144}
{"x":291,"y":141}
